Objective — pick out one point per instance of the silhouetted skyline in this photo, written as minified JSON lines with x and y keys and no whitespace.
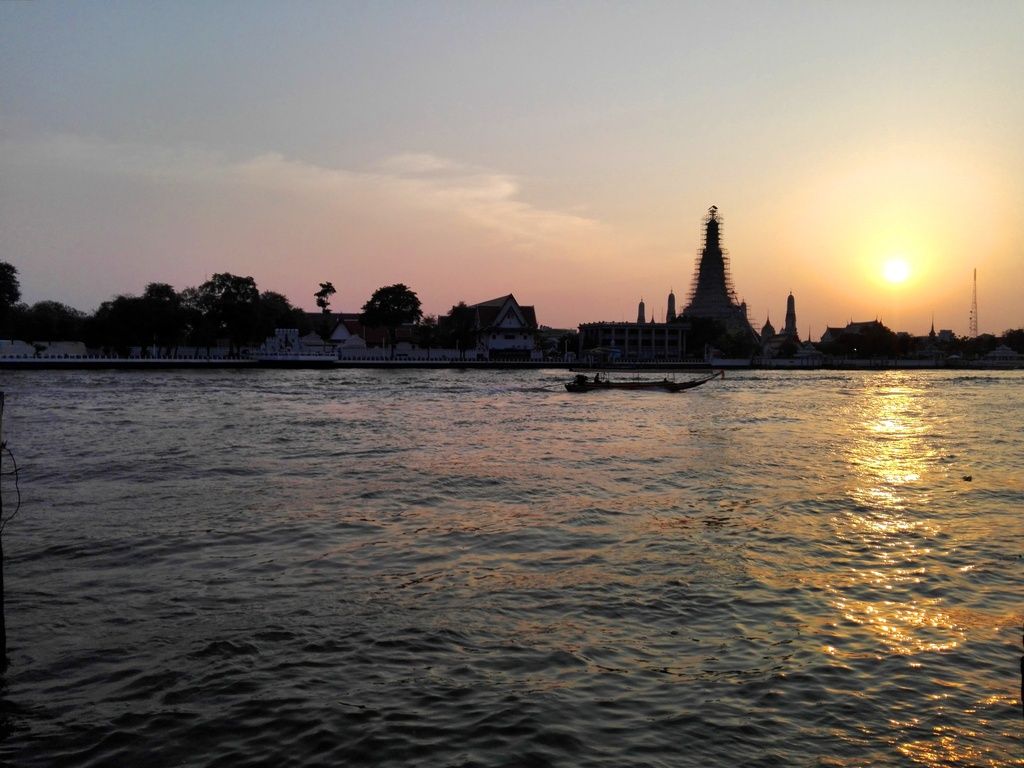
{"x":564,"y":152}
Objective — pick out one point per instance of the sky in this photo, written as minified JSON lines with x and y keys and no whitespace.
{"x":565,"y":152}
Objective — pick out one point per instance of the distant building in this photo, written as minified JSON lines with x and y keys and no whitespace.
{"x":503,"y":329}
{"x":286,"y":342}
{"x":785,"y":342}
{"x":62,"y":349}
{"x":506,"y":329}
{"x":635,"y":341}
{"x":351,"y":339}
{"x":833,"y":334}
{"x":1002,"y":354}
{"x":16,"y":348}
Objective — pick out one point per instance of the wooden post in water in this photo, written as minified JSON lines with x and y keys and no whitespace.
{"x":3,"y":611}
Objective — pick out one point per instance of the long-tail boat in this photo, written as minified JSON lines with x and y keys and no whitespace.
{"x":584,"y":384}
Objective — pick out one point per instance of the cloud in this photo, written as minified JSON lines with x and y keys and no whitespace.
{"x":415,"y":162}
{"x":109,"y":217}
{"x":479,"y":197}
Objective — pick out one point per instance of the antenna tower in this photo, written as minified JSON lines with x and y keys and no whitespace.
{"x":974,"y":307}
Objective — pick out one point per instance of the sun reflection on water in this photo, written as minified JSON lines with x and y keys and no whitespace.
{"x":887,"y":535}
{"x":886,"y":590}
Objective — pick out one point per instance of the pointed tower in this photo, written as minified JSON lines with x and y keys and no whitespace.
{"x":671,"y":314}
{"x":640,"y":313}
{"x":790,"y":329}
{"x":768,"y":330}
{"x":712,"y":295}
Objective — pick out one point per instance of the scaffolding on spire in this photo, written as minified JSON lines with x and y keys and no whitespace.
{"x":973,"y":331}
{"x":711,"y":292}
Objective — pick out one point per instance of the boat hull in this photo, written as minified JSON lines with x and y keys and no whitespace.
{"x":658,"y":386}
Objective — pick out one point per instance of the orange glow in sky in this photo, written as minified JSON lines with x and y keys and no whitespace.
{"x":470,"y":151}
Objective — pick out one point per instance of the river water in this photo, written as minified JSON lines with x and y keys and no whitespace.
{"x":445,"y":568}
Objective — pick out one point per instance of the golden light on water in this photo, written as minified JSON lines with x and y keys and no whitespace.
{"x":889,"y":539}
{"x":889,"y":454}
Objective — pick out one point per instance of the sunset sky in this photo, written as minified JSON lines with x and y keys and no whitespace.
{"x":562,"y":151}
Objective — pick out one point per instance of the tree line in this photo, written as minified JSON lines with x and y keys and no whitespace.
{"x":226,"y":307}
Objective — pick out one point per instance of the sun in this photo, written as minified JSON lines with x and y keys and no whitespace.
{"x":896,"y":270}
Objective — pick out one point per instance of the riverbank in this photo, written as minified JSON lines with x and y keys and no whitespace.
{"x":327,"y":363}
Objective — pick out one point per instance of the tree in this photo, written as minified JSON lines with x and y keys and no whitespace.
{"x":390,"y":307}
{"x":232,"y":302}
{"x":426,"y":333}
{"x":200,"y":326}
{"x":460,"y":328}
{"x":1014,"y":339}
{"x":323,"y":300}
{"x":275,"y":311}
{"x":49,"y":321}
{"x":979,"y":346}
{"x":10,"y":290}
{"x":323,"y":297}
{"x":163,"y":316}
{"x":117,"y":325}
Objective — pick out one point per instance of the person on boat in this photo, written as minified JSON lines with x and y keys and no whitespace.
{"x":597,"y":378}
{"x":581,"y":379}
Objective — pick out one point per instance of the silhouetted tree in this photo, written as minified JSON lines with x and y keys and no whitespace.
{"x":459,"y":328}
{"x":275,"y":311}
{"x":323,"y":300}
{"x":232,"y":303}
{"x":426,"y":333}
{"x":200,"y":326}
{"x":323,"y":296}
{"x":979,"y":346}
{"x":48,"y":321}
{"x":390,"y":307}
{"x":10,"y":292}
{"x":163,"y":316}
{"x":117,"y":325}
{"x":1014,"y":339}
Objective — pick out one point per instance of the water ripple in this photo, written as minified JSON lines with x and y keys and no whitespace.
{"x":443,"y":568}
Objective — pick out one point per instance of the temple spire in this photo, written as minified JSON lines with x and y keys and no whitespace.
{"x":712,"y":295}
{"x":790,"y":329}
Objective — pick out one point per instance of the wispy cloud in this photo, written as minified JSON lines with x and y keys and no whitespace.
{"x":111,"y":216}
{"x":481,"y":197}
